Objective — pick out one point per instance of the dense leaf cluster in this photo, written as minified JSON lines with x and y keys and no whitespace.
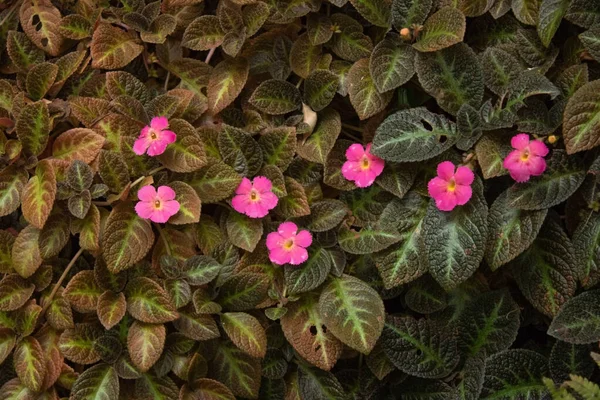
{"x":497,"y":299}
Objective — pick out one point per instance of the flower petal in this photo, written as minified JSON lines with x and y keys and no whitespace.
{"x":350,"y":170}
{"x":159,"y":123}
{"x":538,"y":148}
{"x":165,"y":193}
{"x":445,"y":170}
{"x":298,"y":255}
{"x":365,"y":178}
{"x":157,"y":147}
{"x":240,"y":202}
{"x":170,"y":207}
{"x":513,"y":160}
{"x":274,"y":240}
{"x":262,"y":184}
{"x":144,"y":209}
{"x":287,"y":230}
{"x":537,"y":165}
{"x":168,"y":136}
{"x":245,"y":187}
{"x":377,"y":165}
{"x":303,"y":238}
{"x":463,"y":194}
{"x":269,"y":200}
{"x":519,"y":175}
{"x":256,"y":210}
{"x":355,"y":152}
{"x":520,"y":141}
{"x":279,"y":256}
{"x":436,"y":187}
{"x":141,"y":145}
{"x":159,"y":216}
{"x":147,"y":193}
{"x":446,"y":201}
{"x":464,"y":176}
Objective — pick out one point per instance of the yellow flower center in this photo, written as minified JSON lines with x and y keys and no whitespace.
{"x":525,"y":155}
{"x":365,"y":163}
{"x":254,"y":195}
{"x":288,"y":244}
{"x":153,"y":135}
{"x":156,"y":203}
{"x":451,"y":185}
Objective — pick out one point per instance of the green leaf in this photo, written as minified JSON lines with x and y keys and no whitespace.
{"x":585,"y":242}
{"x":500,"y":69}
{"x":583,"y":13}
{"x":14,"y":389}
{"x":560,"y":180}
{"x":33,"y":128}
{"x":204,"y":33}
{"x":391,"y":63}
{"x":376,"y":12}
{"x":319,"y":144}
{"x":367,"y":240}
{"x":304,"y":56}
{"x":364,"y":96}
{"x":415,"y":134}
{"x":304,"y":328}
{"x":77,"y":144}
{"x":353,"y":312}
{"x":245,"y":332}
{"x":187,"y":153}
{"x":581,"y":123}
{"x":145,"y":343}
{"x":591,"y":41}
{"x":584,"y":387}
{"x":200,"y":270}
{"x":244,"y":232}
{"x":568,"y":358}
{"x":453,"y":76}
{"x":318,"y":28}
{"x":491,"y":151}
{"x":468,"y":121}
{"x":351,"y":43}
{"x":455,"y":240}
{"x":97,"y":382}
{"x":75,"y":27}
{"x":83,"y":292}
{"x":240,"y":151}
{"x":295,"y":203}
{"x":194,"y":74}
{"x":121,"y":83}
{"x":326,"y":214}
{"x":39,"y":79}
{"x":14,"y":292}
{"x":127,"y":238}
{"x":113,"y":48}
{"x":7,"y":343}
{"x":148,"y":302}
{"x":312,"y":274}
{"x":278,"y":146}
{"x":26,"y":252}
{"x":426,"y":296}
{"x":578,"y":321}
{"x":547,"y":271}
{"x":156,"y":388}
{"x":515,"y":374}
{"x":214,"y":182}
{"x":255,"y":15}
{"x":237,"y":370}
{"x":226,"y":82}
{"x":511,"y":231}
{"x":532,"y":51}
{"x":189,"y":202}
{"x":319,"y":385}
{"x":320,"y":88}
{"x":551,"y":14}
{"x":209,"y":389}
{"x":244,"y":291}
{"x":196,"y":326}
{"x":473,"y":374}
{"x":489,"y":323}
{"x":474,"y":8}
{"x":276,"y":97}
{"x":111,"y":308}
{"x":527,"y":11}
{"x":22,"y":52}
{"x":443,"y":29}
{"x":405,"y":13}
{"x":420,"y":347}
{"x":29,"y":363}
{"x":406,"y":260}
{"x":39,"y":194}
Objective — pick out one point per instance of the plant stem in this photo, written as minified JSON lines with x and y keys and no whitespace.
{"x":299,"y":83}
{"x":61,"y":279}
{"x":164,"y":238}
{"x":210,"y":54}
{"x":152,"y":172}
{"x":167,"y":81}
{"x":353,"y":137}
{"x":101,"y":203}
{"x":353,"y":128}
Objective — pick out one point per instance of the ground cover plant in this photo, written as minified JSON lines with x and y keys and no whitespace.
{"x":299,"y":199}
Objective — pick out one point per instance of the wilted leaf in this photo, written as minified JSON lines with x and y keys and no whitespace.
{"x":443,"y":29}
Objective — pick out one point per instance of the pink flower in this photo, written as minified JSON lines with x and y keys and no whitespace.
{"x":362,"y":167}
{"x":450,"y":188}
{"x":156,"y":206}
{"x":154,"y":138}
{"x":527,"y":159}
{"x":254,"y":199}
{"x":287,"y":245}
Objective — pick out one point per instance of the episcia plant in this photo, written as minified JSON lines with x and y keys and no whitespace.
{"x":299,"y":199}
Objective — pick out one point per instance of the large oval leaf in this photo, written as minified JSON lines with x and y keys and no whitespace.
{"x":276,"y":97}
{"x":392,"y":63}
{"x":245,"y":332}
{"x":29,"y":363}
{"x":99,"y":382}
{"x":364,"y":96}
{"x":517,"y":374}
{"x":579,"y":319}
{"x":443,"y":29}
{"x":145,"y":343}
{"x":237,"y":370}
{"x":353,"y":311}
{"x":581,"y":119}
